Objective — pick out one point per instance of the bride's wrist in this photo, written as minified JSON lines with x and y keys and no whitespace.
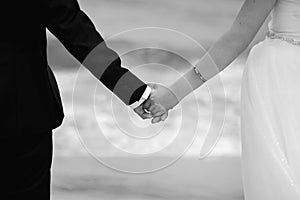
{"x":177,"y":91}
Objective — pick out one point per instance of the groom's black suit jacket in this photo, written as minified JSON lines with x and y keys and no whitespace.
{"x":29,"y":96}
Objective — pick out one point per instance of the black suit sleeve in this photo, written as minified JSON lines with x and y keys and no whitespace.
{"x":78,"y":34}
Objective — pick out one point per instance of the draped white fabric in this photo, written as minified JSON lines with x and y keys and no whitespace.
{"x":270,"y":105}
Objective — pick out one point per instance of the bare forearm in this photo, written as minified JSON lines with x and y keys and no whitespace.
{"x":247,"y":23}
{"x":219,"y":56}
{"x":226,"y":50}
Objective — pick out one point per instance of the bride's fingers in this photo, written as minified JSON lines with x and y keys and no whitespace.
{"x":155,"y":108}
{"x":155,"y":120}
{"x":159,"y":116}
{"x":164,"y":116}
{"x":152,"y":107}
{"x":159,"y":113}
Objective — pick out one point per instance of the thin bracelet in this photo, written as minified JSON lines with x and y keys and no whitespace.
{"x":200,"y":75}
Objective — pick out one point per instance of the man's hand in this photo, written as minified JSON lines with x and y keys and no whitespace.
{"x":142,"y":112}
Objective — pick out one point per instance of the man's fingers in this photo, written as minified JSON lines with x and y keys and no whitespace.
{"x":147,"y":104}
{"x":142,"y":113}
{"x":157,"y":113}
{"x":139,"y":110}
{"x":146,"y":115}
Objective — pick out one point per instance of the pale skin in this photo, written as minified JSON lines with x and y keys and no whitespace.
{"x":231,"y":44}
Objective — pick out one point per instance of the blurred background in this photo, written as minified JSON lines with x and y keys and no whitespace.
{"x":78,"y":175}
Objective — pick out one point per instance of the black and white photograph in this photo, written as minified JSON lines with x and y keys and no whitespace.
{"x":150,"y":100}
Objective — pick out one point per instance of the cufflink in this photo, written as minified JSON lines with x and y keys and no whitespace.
{"x":144,"y":97}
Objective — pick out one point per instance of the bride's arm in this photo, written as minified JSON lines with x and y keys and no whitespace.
{"x":244,"y":28}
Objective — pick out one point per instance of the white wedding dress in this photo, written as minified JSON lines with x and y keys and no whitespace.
{"x":270,"y":104}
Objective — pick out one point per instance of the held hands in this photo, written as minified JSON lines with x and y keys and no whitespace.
{"x":159,"y":103}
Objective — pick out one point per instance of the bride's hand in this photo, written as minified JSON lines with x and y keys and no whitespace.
{"x":161,"y":100}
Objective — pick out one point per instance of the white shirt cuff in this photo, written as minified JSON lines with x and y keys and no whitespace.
{"x":144,"y":97}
